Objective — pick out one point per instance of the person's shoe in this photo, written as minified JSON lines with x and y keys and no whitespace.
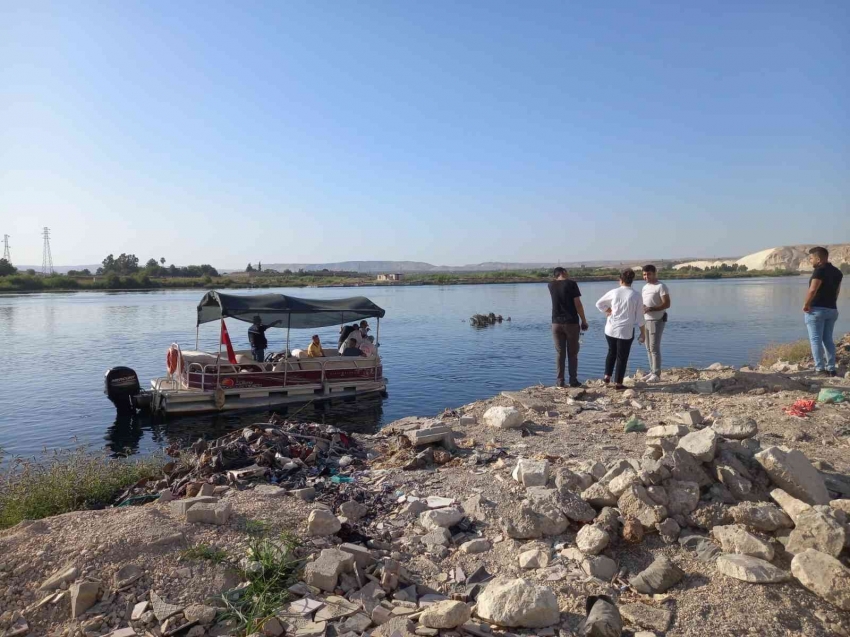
{"x":652,"y":378}
{"x":606,"y":380}
{"x":575,"y":383}
{"x":559,"y":383}
{"x":620,"y":387}
{"x":833,"y":374}
{"x":823,"y":372}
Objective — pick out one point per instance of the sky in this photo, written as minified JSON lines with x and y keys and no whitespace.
{"x":446,"y":132}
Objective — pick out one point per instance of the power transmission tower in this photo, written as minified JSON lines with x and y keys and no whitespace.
{"x":47,"y":257}
{"x":6,"y":254}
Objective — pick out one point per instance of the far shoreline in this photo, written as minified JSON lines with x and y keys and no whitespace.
{"x":393,"y":284}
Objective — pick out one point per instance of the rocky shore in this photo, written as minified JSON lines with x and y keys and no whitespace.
{"x":714,"y":503}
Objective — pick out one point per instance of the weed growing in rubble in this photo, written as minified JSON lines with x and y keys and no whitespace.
{"x":796,"y":352}
{"x":70,"y":480}
{"x":205,"y":552}
{"x":256,"y":528}
{"x":266,"y":592}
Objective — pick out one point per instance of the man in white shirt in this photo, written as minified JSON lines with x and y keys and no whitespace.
{"x":656,"y":302}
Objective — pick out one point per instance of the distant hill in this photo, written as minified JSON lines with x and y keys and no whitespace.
{"x":782,"y":258}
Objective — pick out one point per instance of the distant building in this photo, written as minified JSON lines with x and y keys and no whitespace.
{"x":390,"y":277}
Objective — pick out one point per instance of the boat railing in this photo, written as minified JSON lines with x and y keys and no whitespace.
{"x":250,"y":369}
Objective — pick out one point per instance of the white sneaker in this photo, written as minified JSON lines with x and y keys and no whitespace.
{"x":652,"y":378}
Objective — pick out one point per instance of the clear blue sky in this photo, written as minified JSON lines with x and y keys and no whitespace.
{"x":449,"y":132}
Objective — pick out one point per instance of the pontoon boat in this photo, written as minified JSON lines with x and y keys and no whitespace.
{"x":209,"y":382}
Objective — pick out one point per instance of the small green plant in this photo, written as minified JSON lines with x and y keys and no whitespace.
{"x":204,"y":552}
{"x":796,"y":352}
{"x":68,"y":480}
{"x":256,"y":527}
{"x":266,"y":592}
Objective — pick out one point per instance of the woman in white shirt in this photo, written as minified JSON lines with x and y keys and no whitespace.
{"x":624,"y":308}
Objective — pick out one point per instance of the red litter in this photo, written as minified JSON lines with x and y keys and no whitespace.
{"x":800,"y":408}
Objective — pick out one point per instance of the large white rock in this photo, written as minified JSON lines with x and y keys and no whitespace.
{"x":791,"y":505}
{"x":702,"y":444}
{"x":518,"y":603}
{"x":446,"y":614}
{"x":824,"y":576}
{"x":750,"y":569}
{"x":440,"y":518}
{"x":735,"y":427}
{"x":535,"y":558}
{"x":667,"y":431}
{"x":321,"y":522}
{"x":503,"y":417}
{"x":736,"y":539}
{"x":591,"y":539}
{"x":818,"y":531}
{"x":531,"y":473}
{"x":792,"y":471}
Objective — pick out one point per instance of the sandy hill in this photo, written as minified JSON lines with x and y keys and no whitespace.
{"x":785,"y":257}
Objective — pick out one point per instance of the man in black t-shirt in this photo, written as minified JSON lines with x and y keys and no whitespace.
{"x":566,"y":312}
{"x":821,"y":309}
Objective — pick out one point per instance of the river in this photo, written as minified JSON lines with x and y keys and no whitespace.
{"x":55,"y":348}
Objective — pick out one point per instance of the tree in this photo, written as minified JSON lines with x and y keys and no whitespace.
{"x":250,"y":268}
{"x":6,"y":268}
{"x":151,"y":264}
{"x":259,"y":266}
{"x":85,"y":272}
{"x":162,"y":260}
{"x":31,"y":272}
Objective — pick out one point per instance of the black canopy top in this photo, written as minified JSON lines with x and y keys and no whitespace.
{"x":286,"y":311}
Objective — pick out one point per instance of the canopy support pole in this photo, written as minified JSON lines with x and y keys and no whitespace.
{"x":197,"y":335}
{"x":377,"y":343}
{"x":286,"y":351}
{"x":218,"y":358}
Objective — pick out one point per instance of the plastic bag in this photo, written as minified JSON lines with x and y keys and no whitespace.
{"x":633,"y":424}
{"x":829,"y":395}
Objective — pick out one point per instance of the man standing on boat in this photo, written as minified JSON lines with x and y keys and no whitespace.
{"x":257,"y":338}
{"x":566,"y":312}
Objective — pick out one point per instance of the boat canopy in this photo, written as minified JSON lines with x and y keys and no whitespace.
{"x":286,"y":311}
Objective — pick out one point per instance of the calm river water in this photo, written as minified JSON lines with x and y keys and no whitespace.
{"x":54,"y":349}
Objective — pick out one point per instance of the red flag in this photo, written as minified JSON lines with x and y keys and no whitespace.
{"x":225,"y":340}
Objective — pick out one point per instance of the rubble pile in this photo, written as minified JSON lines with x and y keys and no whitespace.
{"x":304,"y":459}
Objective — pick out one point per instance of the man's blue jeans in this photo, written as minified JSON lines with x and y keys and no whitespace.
{"x":821,"y":322}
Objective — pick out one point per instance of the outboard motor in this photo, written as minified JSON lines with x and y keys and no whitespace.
{"x":121,"y":385}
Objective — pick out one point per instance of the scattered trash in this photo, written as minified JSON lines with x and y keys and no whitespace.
{"x":800,"y":408}
{"x":634,"y":424}
{"x":829,"y":395}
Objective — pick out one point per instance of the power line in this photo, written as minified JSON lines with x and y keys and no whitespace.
{"x":6,"y":254}
{"x":47,"y":257}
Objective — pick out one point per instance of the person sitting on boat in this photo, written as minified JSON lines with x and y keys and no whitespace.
{"x":352,"y":349}
{"x":257,"y":338}
{"x":367,"y":346}
{"x":315,"y":348}
{"x":355,"y":335}
{"x":344,"y":332}
{"x":364,"y":329}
